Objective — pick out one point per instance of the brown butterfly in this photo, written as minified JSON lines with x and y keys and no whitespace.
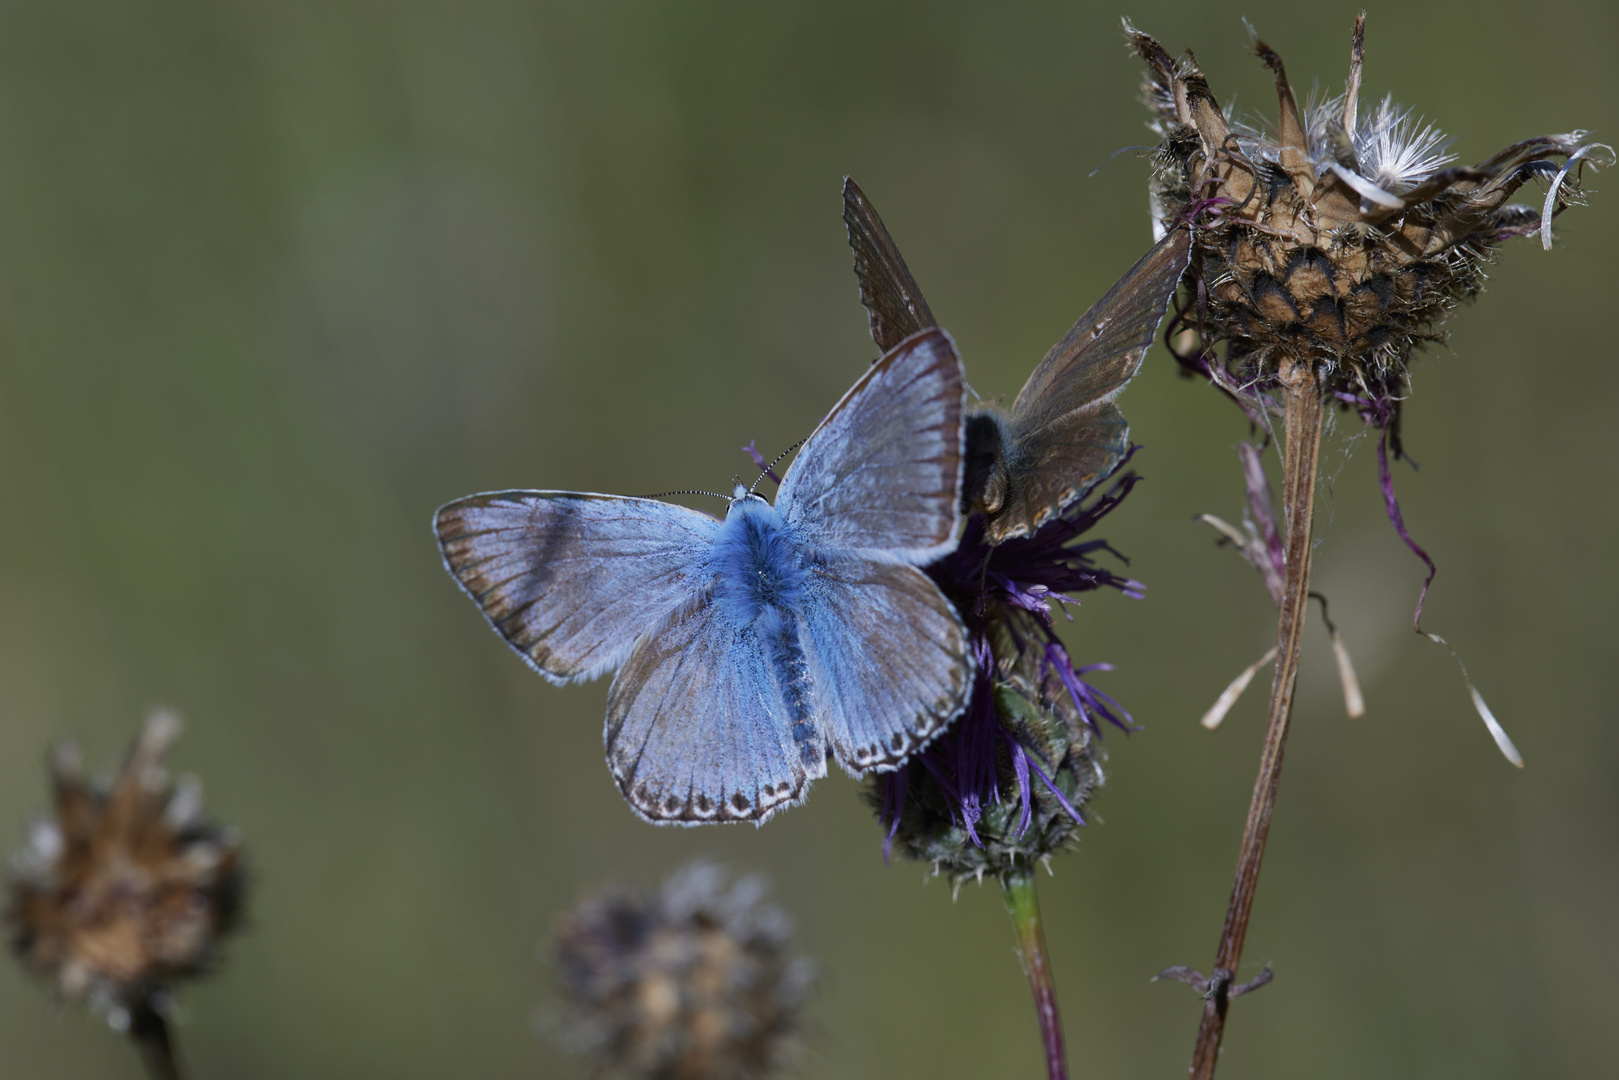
{"x":1063,"y":432}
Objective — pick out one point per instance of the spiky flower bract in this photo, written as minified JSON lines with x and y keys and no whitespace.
{"x":1004,"y":788}
{"x":1340,"y":235}
{"x":124,"y":890}
{"x":693,"y":982}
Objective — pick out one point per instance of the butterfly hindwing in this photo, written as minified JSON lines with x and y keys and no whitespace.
{"x":697,"y":729}
{"x":894,"y":303}
{"x":1048,"y":473}
{"x":888,"y":657}
{"x":570,"y":580}
{"x":882,"y":473}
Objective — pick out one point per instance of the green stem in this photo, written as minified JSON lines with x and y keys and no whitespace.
{"x":1024,"y":908}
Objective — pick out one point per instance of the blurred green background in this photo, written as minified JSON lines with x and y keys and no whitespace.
{"x":278,"y":279}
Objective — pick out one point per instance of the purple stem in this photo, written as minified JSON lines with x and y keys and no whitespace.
{"x":1055,"y":790}
{"x":893,"y":805}
{"x":1386,"y":480}
{"x":759,"y":460}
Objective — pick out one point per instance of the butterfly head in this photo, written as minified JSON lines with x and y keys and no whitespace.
{"x":743,"y":499}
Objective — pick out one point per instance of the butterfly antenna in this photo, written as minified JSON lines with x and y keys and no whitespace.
{"x":666,"y":494}
{"x":770,"y":470}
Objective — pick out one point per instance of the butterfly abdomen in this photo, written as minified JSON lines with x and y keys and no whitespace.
{"x":779,"y":633}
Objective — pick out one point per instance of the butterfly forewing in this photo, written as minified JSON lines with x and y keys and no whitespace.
{"x":1103,"y":350}
{"x":894,"y":303}
{"x":888,"y":657}
{"x":571,"y":580}
{"x":696,"y":728}
{"x":883,"y":470}
{"x":1066,"y":432}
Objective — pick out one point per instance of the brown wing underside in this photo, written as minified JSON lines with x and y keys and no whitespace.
{"x":894,"y":303}
{"x":1048,"y":473}
{"x":1103,"y":349}
{"x":1065,"y":432}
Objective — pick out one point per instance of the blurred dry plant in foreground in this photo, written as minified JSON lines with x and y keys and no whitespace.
{"x":124,"y":890}
{"x":693,"y":982}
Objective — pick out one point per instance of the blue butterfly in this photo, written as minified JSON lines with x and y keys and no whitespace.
{"x":749,"y":649}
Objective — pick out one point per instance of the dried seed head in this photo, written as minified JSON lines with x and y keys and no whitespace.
{"x":1340,"y":235}
{"x":693,"y":982}
{"x":124,"y":891}
{"x":1327,"y":247}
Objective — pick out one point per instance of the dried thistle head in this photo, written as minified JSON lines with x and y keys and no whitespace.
{"x":124,"y":890}
{"x":695,"y":982}
{"x":1340,"y":236}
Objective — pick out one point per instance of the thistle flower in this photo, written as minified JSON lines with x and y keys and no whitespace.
{"x":125,"y":890}
{"x":1002,"y":788}
{"x":695,"y":981}
{"x":1005,"y":787}
{"x":1340,"y":235}
{"x":1329,"y":246}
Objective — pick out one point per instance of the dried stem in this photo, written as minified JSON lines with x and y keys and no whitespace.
{"x":150,"y":1034}
{"x":1303,"y":416}
{"x":1022,"y":905}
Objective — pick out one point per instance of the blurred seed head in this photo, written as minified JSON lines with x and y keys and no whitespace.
{"x":123,"y":890}
{"x":693,"y":982}
{"x":1340,"y":234}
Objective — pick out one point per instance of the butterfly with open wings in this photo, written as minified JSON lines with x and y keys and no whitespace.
{"x":748,"y":650}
